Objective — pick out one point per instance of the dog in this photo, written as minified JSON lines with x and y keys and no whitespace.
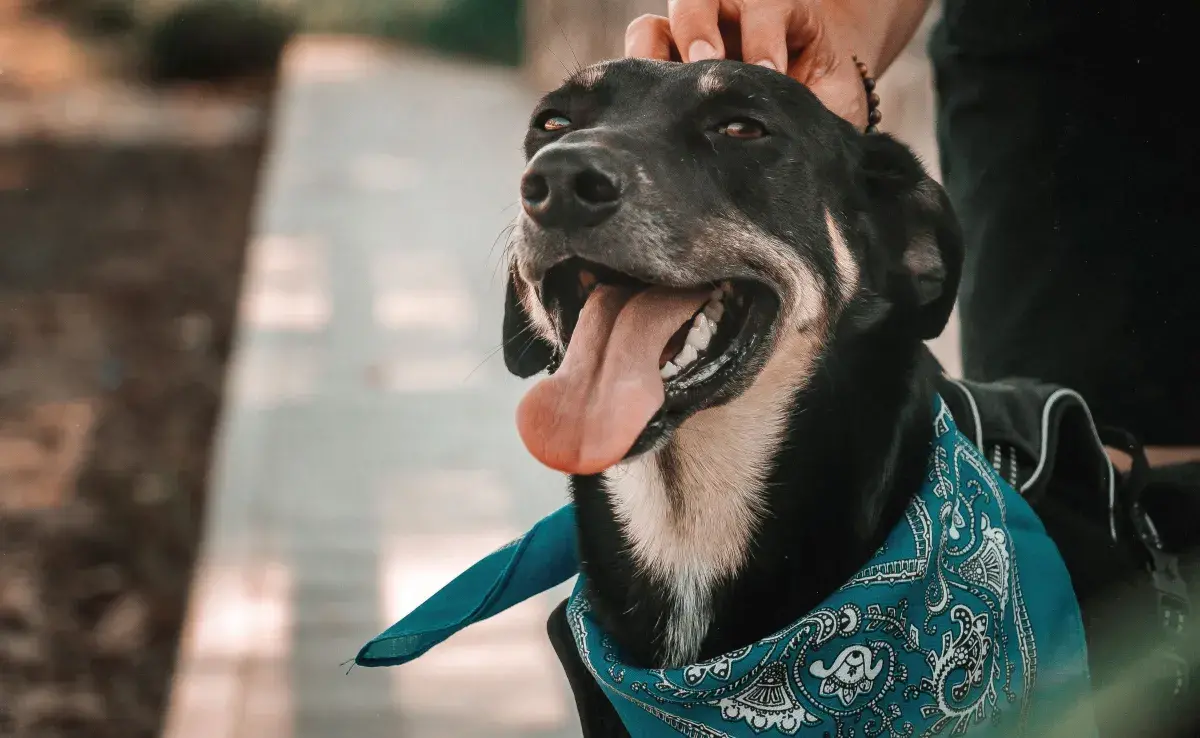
{"x":777,"y":526}
{"x":712,"y":465}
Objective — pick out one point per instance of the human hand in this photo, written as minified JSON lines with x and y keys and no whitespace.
{"x":812,"y":41}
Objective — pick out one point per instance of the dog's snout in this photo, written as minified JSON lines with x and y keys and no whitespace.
{"x":571,"y":187}
{"x":596,"y":188}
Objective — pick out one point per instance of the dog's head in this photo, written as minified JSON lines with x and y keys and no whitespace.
{"x":679,"y":222}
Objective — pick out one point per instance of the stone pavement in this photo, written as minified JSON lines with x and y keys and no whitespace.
{"x":368,"y":451}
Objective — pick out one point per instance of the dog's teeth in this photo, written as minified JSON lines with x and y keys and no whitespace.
{"x":727,"y":286}
{"x":714,"y":310}
{"x":716,"y":295}
{"x":668,"y":370}
{"x":700,"y":333}
{"x":686,"y":356}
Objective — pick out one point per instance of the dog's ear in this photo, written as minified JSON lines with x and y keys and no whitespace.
{"x":525,"y":351}
{"x":912,"y":215}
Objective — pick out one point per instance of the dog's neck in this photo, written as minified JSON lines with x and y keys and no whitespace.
{"x":757,"y":509}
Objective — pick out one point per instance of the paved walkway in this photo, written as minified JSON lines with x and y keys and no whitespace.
{"x":368,"y":451}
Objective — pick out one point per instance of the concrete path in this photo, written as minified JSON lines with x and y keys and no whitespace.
{"x":368,"y":451}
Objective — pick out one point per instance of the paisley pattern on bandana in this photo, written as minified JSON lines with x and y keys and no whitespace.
{"x":934,"y":636}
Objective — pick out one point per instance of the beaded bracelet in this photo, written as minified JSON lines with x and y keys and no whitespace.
{"x":873,"y":114}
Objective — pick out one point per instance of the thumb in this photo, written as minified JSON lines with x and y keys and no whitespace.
{"x":695,"y":29}
{"x":841,"y":91}
{"x":826,"y":66}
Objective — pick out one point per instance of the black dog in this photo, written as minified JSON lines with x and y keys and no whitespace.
{"x":731,"y":287}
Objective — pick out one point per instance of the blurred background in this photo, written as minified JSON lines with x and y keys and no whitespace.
{"x":251,"y":407}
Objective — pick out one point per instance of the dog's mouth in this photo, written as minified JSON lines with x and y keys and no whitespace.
{"x":702,"y":344}
{"x":640,"y":359}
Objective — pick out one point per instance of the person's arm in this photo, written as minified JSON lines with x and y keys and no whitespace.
{"x":886,"y":27}
{"x":814,"y":41}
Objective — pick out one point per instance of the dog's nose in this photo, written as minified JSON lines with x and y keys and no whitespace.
{"x":570,"y":187}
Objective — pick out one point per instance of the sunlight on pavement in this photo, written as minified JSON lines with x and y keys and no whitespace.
{"x":353,"y":286}
{"x":444,"y":500}
{"x":399,"y":308}
{"x":344,"y":60}
{"x":421,"y":291}
{"x":262,"y":379}
{"x":232,"y":677}
{"x":503,"y":668}
{"x":268,"y":709}
{"x":203,"y":702}
{"x":384,"y":172}
{"x":286,"y":285}
{"x":416,"y":566}
{"x":445,"y":373}
{"x":245,"y":614}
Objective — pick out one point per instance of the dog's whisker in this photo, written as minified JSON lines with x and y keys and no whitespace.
{"x":504,"y":254}
{"x":492,"y":353}
{"x":504,"y":233}
{"x":567,"y":39}
{"x":519,"y":334}
{"x":479,"y":366}
{"x":560,"y":61}
{"x":603,"y":19}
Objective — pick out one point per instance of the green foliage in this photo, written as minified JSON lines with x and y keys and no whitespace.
{"x":487,"y":29}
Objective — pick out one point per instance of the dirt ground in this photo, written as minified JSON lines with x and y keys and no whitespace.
{"x":124,"y":215}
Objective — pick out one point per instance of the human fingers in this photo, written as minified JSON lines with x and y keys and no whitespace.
{"x":694,"y":29}
{"x":844,"y":94}
{"x":649,"y":37}
{"x":764,"y":32}
{"x":822,"y":58}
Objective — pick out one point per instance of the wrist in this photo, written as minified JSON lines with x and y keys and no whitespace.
{"x":876,"y":31}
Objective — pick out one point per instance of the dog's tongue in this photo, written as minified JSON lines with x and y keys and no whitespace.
{"x":586,"y":416}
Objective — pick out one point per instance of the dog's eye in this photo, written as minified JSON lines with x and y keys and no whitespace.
{"x":742,"y":128}
{"x":552,"y":121}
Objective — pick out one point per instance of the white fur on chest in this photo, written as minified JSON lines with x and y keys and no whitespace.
{"x":693,"y":537}
{"x":699,"y":534}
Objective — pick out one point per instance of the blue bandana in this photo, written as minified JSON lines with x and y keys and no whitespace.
{"x":964,"y":620}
